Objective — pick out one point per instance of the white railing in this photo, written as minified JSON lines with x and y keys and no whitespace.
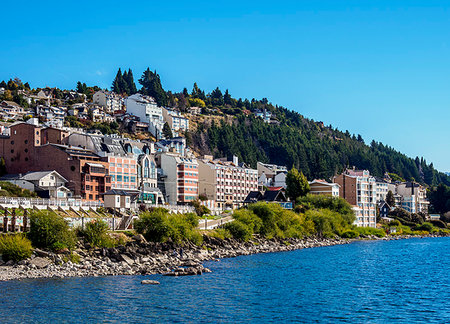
{"x":63,"y":202}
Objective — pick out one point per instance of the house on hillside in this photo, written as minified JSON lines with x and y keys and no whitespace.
{"x":47,"y":184}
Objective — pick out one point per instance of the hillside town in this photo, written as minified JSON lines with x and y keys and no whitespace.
{"x":46,"y":148}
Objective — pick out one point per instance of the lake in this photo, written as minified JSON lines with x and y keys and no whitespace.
{"x":371,"y":281}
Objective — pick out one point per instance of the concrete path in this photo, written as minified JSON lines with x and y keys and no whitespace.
{"x":214,"y":223}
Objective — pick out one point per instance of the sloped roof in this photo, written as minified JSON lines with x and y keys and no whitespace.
{"x":253,"y":196}
{"x":36,"y":176}
{"x":117,"y":192}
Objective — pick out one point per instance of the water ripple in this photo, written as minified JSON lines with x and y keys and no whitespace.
{"x":365,"y":282}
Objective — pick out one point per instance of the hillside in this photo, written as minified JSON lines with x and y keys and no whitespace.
{"x":293,"y":140}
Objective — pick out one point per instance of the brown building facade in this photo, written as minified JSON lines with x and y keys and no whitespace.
{"x":31,"y":148}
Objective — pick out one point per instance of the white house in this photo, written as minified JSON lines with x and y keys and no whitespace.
{"x":176,"y":120}
{"x":47,"y":184}
{"x":110,"y":101}
{"x":147,"y":110}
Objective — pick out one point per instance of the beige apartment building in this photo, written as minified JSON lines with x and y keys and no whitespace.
{"x":358,"y":187}
{"x":226,"y":182}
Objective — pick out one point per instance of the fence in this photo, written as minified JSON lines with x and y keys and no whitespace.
{"x":68,"y":202}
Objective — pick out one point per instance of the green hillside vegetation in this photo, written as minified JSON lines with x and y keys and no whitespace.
{"x":11,"y":190}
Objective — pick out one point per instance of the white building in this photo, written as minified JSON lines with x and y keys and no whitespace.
{"x":271,"y":175}
{"x":228,"y":183}
{"x":47,"y":184}
{"x":110,"y":101}
{"x":148,"y":111}
{"x":177,"y":122}
{"x":413,"y":197}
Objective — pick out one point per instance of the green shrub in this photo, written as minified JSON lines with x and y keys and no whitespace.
{"x":371,"y":231}
{"x":49,"y":230}
{"x":438,"y":223}
{"x":15,"y":247}
{"x":239,"y":230}
{"x":11,"y":190}
{"x":159,"y":225}
{"x":321,"y":202}
{"x":350,"y":234}
{"x":220,"y":233}
{"x":425,"y":227}
{"x":328,"y":223}
{"x":96,"y":233}
{"x":394,"y":222}
{"x":72,"y":257}
{"x":274,"y":221}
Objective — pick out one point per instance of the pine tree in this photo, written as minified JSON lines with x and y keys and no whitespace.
{"x":167,"y":132}
{"x":118,"y":80}
{"x":151,"y":86}
{"x":390,"y":200}
{"x":227,"y":98}
{"x":130,"y":83}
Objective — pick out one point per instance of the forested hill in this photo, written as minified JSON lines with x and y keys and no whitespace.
{"x":289,"y":139}
{"x":292,"y":140}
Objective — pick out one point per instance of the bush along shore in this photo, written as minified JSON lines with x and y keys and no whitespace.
{"x":172,"y":244}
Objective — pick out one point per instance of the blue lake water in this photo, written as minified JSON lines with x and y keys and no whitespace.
{"x":377,"y":282}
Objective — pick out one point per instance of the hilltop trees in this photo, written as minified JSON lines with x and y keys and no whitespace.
{"x":151,"y":86}
{"x":124,"y":83}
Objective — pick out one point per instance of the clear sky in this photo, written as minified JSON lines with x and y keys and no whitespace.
{"x":377,"y":68}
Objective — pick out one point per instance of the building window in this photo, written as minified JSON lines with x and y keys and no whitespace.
{"x":26,"y":150}
{"x":26,"y":142}
{"x":72,"y":168}
{"x":90,"y":197}
{"x":12,"y":142}
{"x":12,"y":151}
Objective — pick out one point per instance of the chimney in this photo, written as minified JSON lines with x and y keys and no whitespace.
{"x":235,"y":160}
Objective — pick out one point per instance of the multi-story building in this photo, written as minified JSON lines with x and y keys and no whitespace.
{"x":179,"y":177}
{"x":321,"y":187}
{"x":132,"y":164}
{"x":122,"y":166}
{"x":413,"y":197}
{"x":51,"y":116}
{"x":177,"y":122}
{"x":19,"y":148}
{"x":358,"y":187}
{"x":87,"y":176}
{"x":147,"y":110}
{"x":110,"y":101}
{"x":228,"y":183}
{"x":383,"y":186}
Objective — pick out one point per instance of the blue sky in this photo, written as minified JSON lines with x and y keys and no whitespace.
{"x":377,"y":68}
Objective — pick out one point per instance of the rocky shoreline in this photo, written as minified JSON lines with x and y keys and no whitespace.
{"x":139,"y":257}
